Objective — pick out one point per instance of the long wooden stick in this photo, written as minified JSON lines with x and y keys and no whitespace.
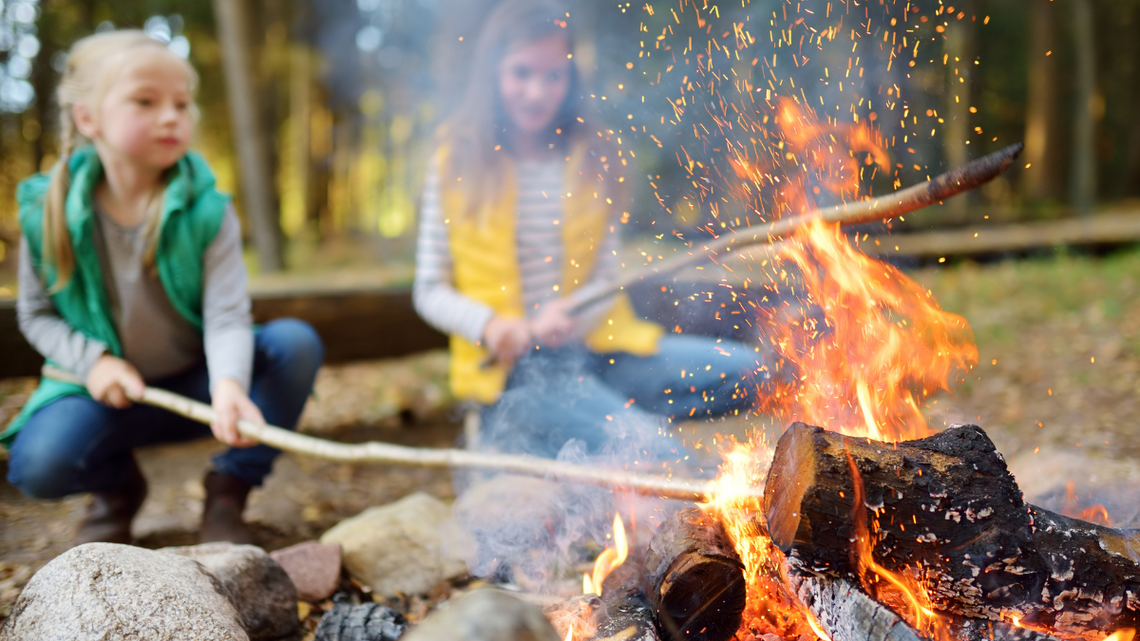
{"x":375,"y":452}
{"x":900,"y":203}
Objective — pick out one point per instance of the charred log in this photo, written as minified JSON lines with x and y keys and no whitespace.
{"x":364,"y":622}
{"x":695,"y":578}
{"x":624,"y":611}
{"x":946,"y":510}
{"x":846,"y":613}
{"x":982,"y":630}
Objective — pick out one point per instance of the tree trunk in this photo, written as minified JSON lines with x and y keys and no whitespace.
{"x":959,"y":48}
{"x":249,"y":135}
{"x":695,"y":578}
{"x":1082,"y":175}
{"x":1036,"y":181}
{"x":947,"y":509}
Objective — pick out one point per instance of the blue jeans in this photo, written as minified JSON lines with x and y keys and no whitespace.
{"x":76,"y":444}
{"x":617,"y":399}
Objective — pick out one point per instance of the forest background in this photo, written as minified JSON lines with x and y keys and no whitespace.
{"x":342,"y":97}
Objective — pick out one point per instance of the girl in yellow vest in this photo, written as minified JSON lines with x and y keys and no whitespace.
{"x":521,"y":207}
{"x":131,"y":274}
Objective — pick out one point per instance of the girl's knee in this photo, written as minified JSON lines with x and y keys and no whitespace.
{"x":295,"y":342}
{"x":39,"y":474}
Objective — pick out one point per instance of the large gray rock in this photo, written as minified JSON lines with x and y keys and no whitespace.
{"x":485,"y":615}
{"x":399,"y":547}
{"x":258,"y":586}
{"x":102,"y":591}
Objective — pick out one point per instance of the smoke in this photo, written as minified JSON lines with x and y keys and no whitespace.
{"x":533,"y":532}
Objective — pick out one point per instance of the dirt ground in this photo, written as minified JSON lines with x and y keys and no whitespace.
{"x":1056,"y":388}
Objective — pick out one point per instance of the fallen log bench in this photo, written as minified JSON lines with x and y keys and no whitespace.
{"x":945,"y":510}
{"x":355,"y":323}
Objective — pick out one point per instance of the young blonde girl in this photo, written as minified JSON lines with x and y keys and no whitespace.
{"x":521,"y":207}
{"x":131,"y":274}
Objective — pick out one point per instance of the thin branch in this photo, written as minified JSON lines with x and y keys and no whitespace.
{"x":375,"y":452}
{"x":964,"y":178}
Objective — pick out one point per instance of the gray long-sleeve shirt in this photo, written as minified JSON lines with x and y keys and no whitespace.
{"x":155,"y":338}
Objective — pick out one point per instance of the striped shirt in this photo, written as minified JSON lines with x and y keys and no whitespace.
{"x":539,"y":211}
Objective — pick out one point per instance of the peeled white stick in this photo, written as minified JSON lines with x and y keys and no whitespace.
{"x":374,"y":452}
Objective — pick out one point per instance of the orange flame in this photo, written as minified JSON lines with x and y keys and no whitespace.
{"x":1125,"y":634}
{"x":736,"y":503}
{"x":1095,"y":513}
{"x":869,"y":347}
{"x":610,"y":558}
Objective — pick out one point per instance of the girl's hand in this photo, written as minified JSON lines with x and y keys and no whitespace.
{"x":113,"y":381}
{"x":231,"y":403}
{"x":507,"y":338}
{"x":553,"y":327}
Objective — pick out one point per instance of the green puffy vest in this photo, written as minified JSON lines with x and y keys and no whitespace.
{"x":192,"y":212}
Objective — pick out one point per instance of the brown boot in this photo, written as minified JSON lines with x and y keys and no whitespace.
{"x":109,"y":514}
{"x":221,"y":515}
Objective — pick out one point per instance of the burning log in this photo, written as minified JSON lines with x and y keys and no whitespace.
{"x":624,"y":610}
{"x":946,"y":511}
{"x":695,"y":578}
{"x":625,"y":615}
{"x":846,"y":613}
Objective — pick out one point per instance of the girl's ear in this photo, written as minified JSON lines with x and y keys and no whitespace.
{"x":85,"y":121}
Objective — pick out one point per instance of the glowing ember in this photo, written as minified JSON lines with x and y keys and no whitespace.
{"x":609,"y":559}
{"x":1127,"y":634}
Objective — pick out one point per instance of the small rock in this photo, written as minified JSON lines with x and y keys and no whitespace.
{"x":102,"y":591}
{"x":258,"y":587}
{"x":485,"y":615}
{"x":314,"y":568}
{"x":399,"y":547}
{"x":364,"y":622}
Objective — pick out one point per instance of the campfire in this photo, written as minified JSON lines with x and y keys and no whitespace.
{"x":872,"y":526}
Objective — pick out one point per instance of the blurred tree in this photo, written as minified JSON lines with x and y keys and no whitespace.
{"x":1037,"y":182}
{"x":958,"y":62}
{"x":1082,"y":177}
{"x":245,"y":108}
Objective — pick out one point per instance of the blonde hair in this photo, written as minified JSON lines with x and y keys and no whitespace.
{"x":86,"y":80}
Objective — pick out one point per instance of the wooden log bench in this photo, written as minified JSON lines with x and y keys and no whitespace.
{"x":354,"y":323}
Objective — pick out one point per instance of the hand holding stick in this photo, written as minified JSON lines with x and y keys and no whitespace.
{"x":956,"y":181}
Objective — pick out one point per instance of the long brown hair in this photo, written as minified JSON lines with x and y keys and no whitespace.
{"x":86,"y":80}
{"x":475,"y":136}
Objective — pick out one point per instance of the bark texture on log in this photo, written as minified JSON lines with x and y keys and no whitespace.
{"x":946,"y":508}
{"x":695,"y":578}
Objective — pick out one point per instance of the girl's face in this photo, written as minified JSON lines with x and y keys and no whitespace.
{"x":534,"y":78}
{"x":145,"y":116}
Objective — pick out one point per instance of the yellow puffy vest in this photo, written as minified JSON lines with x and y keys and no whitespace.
{"x":486,"y":268}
